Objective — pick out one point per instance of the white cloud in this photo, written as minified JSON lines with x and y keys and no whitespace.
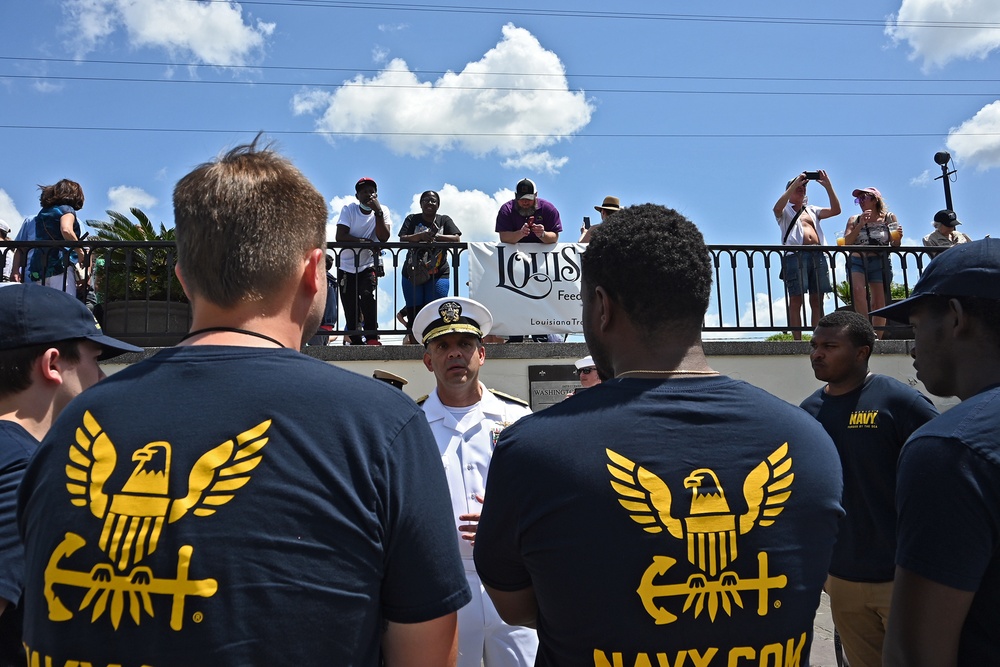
{"x":474,"y":211}
{"x":209,"y":32}
{"x":976,"y":142}
{"x":938,"y":45}
{"x":9,"y":213}
{"x":543,"y":161}
{"x":484,"y":109}
{"x":47,"y":88}
{"x":380,"y":54}
{"x":392,"y":27}
{"x":122,"y":198}
{"x":338,"y":203}
{"x":922,"y":180}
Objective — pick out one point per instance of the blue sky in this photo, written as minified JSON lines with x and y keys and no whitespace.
{"x":708,"y":112}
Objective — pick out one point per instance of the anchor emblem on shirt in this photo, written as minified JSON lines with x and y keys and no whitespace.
{"x":103,"y":585}
{"x":710,"y":531}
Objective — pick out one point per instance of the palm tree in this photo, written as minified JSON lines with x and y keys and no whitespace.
{"x":139,"y":271}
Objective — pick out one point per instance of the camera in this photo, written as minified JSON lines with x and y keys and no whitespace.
{"x":812,"y":175}
{"x":379,"y":265}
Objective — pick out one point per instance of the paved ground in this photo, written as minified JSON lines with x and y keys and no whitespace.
{"x":822,"y":647}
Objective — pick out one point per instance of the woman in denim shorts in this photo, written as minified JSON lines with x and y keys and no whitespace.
{"x":871,"y":272}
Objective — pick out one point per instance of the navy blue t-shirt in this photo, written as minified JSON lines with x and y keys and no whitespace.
{"x":679,"y":518}
{"x":869,"y":426}
{"x":948,"y":500}
{"x":234,"y":506}
{"x":16,"y":447}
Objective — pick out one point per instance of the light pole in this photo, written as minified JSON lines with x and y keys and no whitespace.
{"x":943,"y":158}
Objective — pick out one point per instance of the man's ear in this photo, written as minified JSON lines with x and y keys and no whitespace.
{"x":183,"y":282}
{"x":603,"y":307}
{"x":50,"y":367}
{"x":314,"y":270}
{"x":958,"y":319}
{"x":427,"y":360}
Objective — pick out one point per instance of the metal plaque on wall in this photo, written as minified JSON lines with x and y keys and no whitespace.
{"x":549,"y":385}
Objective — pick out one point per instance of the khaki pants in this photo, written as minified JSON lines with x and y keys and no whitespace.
{"x":860,"y":613}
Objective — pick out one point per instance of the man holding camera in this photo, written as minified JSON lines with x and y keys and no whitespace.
{"x":800,"y":225}
{"x":528,"y":219}
{"x":360,"y":268}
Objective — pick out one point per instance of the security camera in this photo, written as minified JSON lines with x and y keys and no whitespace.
{"x":942,"y":157}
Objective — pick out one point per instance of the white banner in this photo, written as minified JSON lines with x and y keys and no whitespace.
{"x":531,"y":288}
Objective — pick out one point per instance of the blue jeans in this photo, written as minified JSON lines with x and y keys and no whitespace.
{"x":418,"y":296}
{"x":806,"y":272}
{"x":873,"y":266}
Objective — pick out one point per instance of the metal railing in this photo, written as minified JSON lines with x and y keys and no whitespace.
{"x":749,"y":295}
{"x":132,"y":289}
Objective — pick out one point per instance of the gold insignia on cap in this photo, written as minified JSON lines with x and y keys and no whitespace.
{"x":450,"y":311}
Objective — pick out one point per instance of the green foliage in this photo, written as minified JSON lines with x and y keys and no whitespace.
{"x":899,"y":292}
{"x":784,"y":335}
{"x":843,"y":288}
{"x":142,"y":273}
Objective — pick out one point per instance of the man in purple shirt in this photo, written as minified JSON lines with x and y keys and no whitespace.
{"x":528,"y":219}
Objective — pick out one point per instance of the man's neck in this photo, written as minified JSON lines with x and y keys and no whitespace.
{"x":665,"y":357}
{"x":848,"y":384}
{"x":34,"y":416}
{"x":461,"y":396}
{"x":242,"y":324}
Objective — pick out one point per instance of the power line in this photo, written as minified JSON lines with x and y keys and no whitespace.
{"x":595,"y":135}
{"x":605,"y":15}
{"x":444,"y":89}
{"x":364,"y":70}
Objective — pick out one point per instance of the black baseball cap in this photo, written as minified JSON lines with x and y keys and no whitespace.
{"x":526,"y":189}
{"x":967,"y":269}
{"x":38,"y":315}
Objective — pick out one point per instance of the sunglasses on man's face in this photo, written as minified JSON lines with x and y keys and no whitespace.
{"x":586,"y":371}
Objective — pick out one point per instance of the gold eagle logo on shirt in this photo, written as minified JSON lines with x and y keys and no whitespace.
{"x":710,"y":529}
{"x":135,"y":516}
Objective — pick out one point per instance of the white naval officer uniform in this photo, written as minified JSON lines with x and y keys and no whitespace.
{"x":466,"y":445}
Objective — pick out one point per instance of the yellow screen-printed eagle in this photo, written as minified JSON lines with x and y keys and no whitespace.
{"x":134,"y":517}
{"x":710,"y":528}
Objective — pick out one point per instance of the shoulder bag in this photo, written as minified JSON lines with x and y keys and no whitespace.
{"x":784,"y":239}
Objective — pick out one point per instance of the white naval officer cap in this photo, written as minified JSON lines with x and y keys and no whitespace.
{"x":452,"y":314}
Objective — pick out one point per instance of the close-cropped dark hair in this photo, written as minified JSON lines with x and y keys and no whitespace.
{"x":15,"y":365}
{"x":859,"y":330}
{"x":987,"y":311}
{"x":654,"y":262}
{"x":244,"y":222}
{"x":65,"y":192}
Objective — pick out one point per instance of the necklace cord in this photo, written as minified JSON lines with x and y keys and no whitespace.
{"x":237,"y":330}
{"x":677,"y":372}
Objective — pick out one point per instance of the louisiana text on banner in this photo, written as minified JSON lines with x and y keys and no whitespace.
{"x":530,"y":288}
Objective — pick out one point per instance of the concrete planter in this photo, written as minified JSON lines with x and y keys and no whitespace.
{"x":147,"y":323}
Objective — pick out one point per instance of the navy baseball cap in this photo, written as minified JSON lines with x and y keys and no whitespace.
{"x":967,"y":269}
{"x":39,"y":315}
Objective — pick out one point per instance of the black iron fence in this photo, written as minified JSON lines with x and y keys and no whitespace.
{"x":132,"y":289}
{"x":749,"y":294}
